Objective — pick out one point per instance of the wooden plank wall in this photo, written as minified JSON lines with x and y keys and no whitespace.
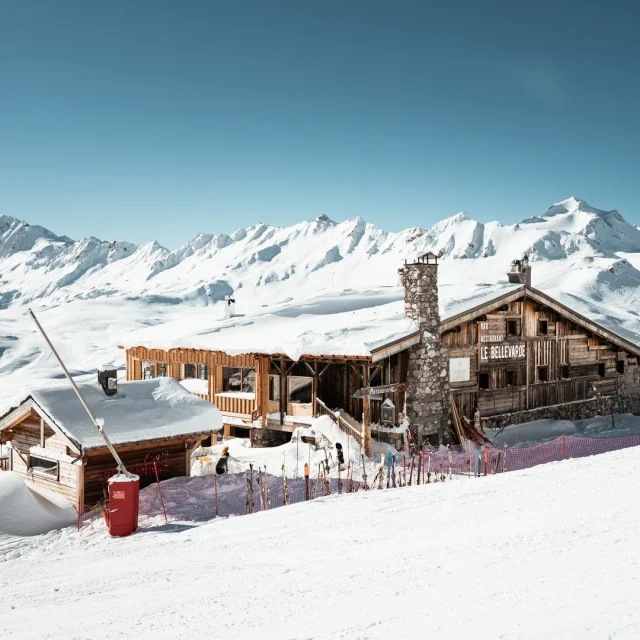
{"x":24,"y":437}
{"x":99,"y":461}
{"x":566,"y":344}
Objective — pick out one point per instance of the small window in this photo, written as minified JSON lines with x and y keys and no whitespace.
{"x":564,"y":371}
{"x":601,"y":369}
{"x":188,"y":371}
{"x":204,"y":372}
{"x":543,"y":374}
{"x":162,"y":369}
{"x":620,"y":366}
{"x":43,"y":467}
{"x":543,"y":327}
{"x":512,"y":328}
{"x":274,"y":388}
{"x":511,"y":378}
{"x":148,"y":370}
{"x":483,"y":380}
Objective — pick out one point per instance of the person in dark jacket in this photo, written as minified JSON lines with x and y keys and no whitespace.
{"x":221,"y":466}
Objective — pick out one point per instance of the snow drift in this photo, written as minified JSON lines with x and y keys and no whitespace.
{"x":24,"y":512}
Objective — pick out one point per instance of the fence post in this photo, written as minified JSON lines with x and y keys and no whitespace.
{"x":155,"y":466}
{"x":564,"y":446}
{"x":215,"y":489}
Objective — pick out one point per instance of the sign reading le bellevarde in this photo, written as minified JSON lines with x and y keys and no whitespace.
{"x":502,"y":352}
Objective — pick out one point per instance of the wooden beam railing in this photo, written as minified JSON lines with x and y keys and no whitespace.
{"x":349,"y":429}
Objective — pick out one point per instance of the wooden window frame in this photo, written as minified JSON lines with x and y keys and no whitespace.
{"x":513,"y":373}
{"x":544,"y":368}
{"x":620,"y":364}
{"x":542,"y":323}
{"x":602,"y":370}
{"x":481,"y":374}
{"x":562,"y":371}
{"x":518,"y":329}
{"x":44,"y":474}
{"x":242,"y":378}
{"x":154,"y":368}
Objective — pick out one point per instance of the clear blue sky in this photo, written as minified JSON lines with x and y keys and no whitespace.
{"x":150,"y":119}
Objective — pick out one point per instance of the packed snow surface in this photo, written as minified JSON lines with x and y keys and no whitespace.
{"x":544,"y":553}
{"x":29,"y":512}
{"x":141,"y":410}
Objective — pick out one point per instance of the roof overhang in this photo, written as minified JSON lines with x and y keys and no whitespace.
{"x":395,"y":346}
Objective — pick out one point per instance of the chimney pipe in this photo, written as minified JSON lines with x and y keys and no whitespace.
{"x":108,"y":380}
{"x":229,"y":307}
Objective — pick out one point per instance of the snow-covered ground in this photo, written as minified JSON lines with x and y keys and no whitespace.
{"x":545,"y":553}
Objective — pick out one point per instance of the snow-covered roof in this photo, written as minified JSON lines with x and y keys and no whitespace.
{"x":139,"y":411}
{"x":330,"y":325}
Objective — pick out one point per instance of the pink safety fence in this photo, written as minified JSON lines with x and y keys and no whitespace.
{"x":202,"y":498}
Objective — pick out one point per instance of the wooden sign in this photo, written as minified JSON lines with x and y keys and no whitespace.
{"x":370,"y":391}
{"x":509,"y":351}
{"x":459,"y":369}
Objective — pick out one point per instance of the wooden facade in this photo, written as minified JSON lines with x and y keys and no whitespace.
{"x":46,"y":458}
{"x":518,"y":352}
{"x":524,"y":351}
{"x":284,"y":392}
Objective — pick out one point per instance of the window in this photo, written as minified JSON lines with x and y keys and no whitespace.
{"x":511,"y":378}
{"x":274,"y":388}
{"x":237,"y":379}
{"x":601,"y":369}
{"x":148,"y":370}
{"x":204,"y":372}
{"x":543,"y":327}
{"x":189,"y":371}
{"x":483,"y":380}
{"x":300,"y":389}
{"x":513,"y":328}
{"x":162,"y":369}
{"x":43,"y":467}
{"x":564,"y":371}
{"x":543,"y":374}
{"x":620,"y":366}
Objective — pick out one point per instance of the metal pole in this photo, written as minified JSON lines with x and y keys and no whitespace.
{"x":98,"y":424}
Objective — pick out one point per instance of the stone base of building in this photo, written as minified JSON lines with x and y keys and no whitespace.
{"x":579,"y":410}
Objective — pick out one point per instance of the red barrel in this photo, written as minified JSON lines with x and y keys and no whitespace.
{"x":124,"y":493}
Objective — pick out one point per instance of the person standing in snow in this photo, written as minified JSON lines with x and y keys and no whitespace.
{"x":222,"y":465}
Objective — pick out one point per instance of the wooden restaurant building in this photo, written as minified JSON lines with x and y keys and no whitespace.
{"x":514,"y":354}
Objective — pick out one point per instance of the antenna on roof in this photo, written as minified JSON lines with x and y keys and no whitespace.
{"x":98,"y":422}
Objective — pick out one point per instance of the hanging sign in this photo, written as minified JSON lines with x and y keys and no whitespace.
{"x":459,"y":369}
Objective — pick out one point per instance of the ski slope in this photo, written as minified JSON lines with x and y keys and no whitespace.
{"x":550,"y":552}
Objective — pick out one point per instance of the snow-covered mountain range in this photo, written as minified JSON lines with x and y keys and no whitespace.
{"x":91,"y":292}
{"x":266,"y":261}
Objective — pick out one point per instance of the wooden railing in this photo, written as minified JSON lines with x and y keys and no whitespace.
{"x":237,"y":407}
{"x":349,"y":429}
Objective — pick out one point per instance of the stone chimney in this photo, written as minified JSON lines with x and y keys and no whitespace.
{"x":520,"y":272}
{"x":428,"y":399}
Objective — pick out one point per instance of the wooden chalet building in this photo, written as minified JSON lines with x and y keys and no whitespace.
{"x":153,"y":424}
{"x":516,"y":355}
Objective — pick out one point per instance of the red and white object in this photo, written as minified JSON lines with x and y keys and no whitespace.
{"x":124,"y":494}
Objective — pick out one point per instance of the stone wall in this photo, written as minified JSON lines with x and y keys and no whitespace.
{"x":428,"y":373}
{"x":579,"y":410}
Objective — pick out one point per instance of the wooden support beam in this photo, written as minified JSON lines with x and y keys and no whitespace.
{"x":324,"y":370}
{"x":366,"y":410}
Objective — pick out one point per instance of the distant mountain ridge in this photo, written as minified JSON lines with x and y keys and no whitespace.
{"x":268,"y":263}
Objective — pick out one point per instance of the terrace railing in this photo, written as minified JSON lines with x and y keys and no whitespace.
{"x":357,"y":433}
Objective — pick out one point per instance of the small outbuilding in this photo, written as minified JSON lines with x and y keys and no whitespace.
{"x":153,"y":425}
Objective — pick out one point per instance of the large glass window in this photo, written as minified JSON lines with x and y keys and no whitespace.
{"x":204,"y":372}
{"x":162,"y":369}
{"x":300,"y":389}
{"x":148,"y":370}
{"x":189,"y":371}
{"x":238,"y":379}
